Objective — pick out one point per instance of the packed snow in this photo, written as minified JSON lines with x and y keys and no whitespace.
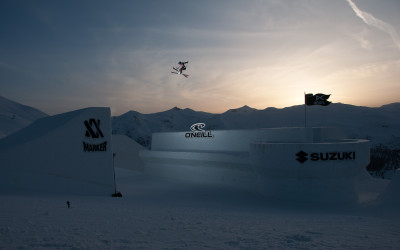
{"x":14,"y":116}
{"x":161,"y":214}
{"x":58,"y":151}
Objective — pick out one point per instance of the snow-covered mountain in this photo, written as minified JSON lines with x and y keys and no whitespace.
{"x":14,"y":116}
{"x":380,"y":125}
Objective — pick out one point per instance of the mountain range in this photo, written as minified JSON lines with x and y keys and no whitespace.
{"x":14,"y":116}
{"x":380,"y":125}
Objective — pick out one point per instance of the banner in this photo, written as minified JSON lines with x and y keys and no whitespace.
{"x":317,"y":99}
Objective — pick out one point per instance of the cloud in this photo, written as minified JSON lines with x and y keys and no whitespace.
{"x":369,"y":19}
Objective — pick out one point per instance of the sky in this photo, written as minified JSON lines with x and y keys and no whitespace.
{"x":60,"y":56}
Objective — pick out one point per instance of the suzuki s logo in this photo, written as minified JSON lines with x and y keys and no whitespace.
{"x":93,"y":128}
{"x":325,"y":156}
{"x":302,"y":156}
{"x":198,"y":132}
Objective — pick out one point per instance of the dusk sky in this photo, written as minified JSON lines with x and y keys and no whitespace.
{"x":59,"y":56}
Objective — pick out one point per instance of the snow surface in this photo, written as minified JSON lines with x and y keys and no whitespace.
{"x":390,"y":198}
{"x":156,"y":213}
{"x":14,"y":116}
{"x":50,"y":154}
{"x":126,"y":153}
{"x":161,"y":214}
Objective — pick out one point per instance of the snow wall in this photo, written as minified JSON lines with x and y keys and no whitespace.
{"x":126,"y":153}
{"x":321,"y":171}
{"x":65,"y":153}
{"x":285,"y":163}
{"x":390,"y":199}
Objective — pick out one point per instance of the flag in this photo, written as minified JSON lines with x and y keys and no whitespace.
{"x":317,"y":99}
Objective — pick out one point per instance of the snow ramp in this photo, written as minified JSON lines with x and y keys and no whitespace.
{"x":66,"y":153}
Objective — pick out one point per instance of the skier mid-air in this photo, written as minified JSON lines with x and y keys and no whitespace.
{"x":180,"y":69}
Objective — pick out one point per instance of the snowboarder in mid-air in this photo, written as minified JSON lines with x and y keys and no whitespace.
{"x":180,"y":69}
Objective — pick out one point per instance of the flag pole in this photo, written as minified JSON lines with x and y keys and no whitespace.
{"x":115,"y":183}
{"x":305,"y":110}
{"x":116,"y":193}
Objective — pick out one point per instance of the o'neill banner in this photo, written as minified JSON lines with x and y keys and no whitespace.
{"x":317,"y":99}
{"x":198,"y":132}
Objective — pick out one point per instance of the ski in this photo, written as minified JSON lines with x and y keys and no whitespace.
{"x":185,"y":75}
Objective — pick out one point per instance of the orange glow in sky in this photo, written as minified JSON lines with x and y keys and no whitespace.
{"x":256,"y":53}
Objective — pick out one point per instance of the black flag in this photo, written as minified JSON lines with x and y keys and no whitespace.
{"x":317,"y":99}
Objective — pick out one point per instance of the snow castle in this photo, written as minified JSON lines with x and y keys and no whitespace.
{"x":286,"y":163}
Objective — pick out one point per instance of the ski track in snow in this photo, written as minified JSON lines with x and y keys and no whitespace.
{"x":161,"y":214}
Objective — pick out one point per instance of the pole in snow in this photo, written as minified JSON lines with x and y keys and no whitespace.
{"x":115,"y":194}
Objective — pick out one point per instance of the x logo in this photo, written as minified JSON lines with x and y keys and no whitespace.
{"x":90,"y":132}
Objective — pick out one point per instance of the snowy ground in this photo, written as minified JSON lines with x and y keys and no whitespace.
{"x":161,"y":214}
